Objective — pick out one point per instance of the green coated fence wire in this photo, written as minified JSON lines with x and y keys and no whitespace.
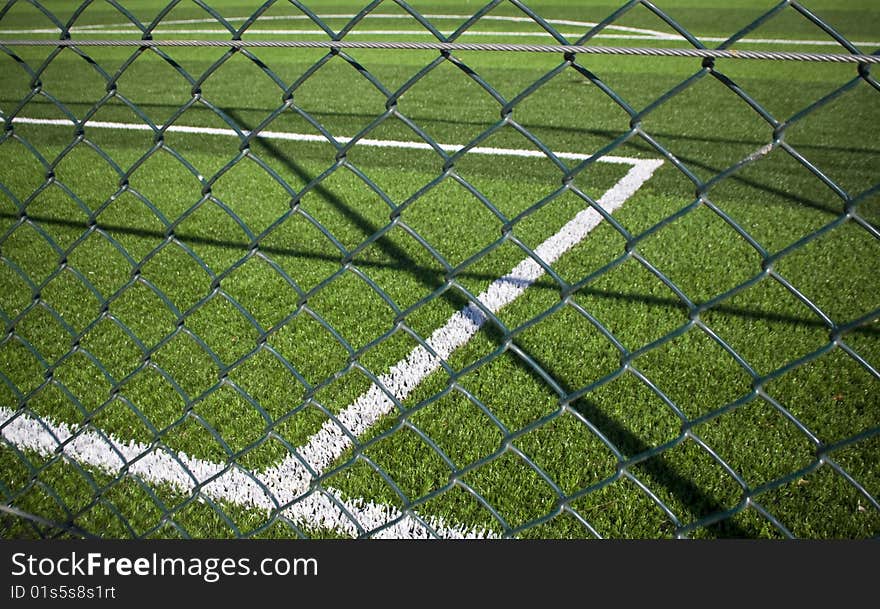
{"x":414,"y":270}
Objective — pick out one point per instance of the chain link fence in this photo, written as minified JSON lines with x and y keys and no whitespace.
{"x":218,"y":323}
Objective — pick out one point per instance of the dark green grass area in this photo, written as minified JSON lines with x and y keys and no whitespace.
{"x":706,"y":365}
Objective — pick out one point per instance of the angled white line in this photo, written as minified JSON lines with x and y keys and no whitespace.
{"x":184,"y":473}
{"x":290,"y":479}
{"x":334,"y":439}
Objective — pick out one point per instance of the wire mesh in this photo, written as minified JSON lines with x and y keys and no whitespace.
{"x":71,"y":470}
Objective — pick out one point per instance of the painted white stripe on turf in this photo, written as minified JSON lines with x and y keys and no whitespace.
{"x":333,"y":439}
{"x":185,"y":473}
{"x":291,"y":478}
{"x":628,"y":33}
{"x":294,"y":32}
{"x":306,"y":137}
{"x":372,"y":16}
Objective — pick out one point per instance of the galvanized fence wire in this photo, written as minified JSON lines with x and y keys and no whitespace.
{"x":573,"y":55}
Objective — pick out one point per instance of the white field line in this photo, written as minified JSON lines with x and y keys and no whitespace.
{"x":626,"y":32}
{"x":184,"y":473}
{"x":291,"y":478}
{"x":293,"y":32}
{"x":306,"y":137}
{"x":371,"y":16}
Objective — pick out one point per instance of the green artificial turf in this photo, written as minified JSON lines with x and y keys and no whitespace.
{"x":221,"y":301}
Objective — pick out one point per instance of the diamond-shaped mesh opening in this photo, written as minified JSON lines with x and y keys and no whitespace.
{"x":188,"y":280}
{"x":702,"y":255}
{"x":630,"y":416}
{"x":473,"y":111}
{"x":224,"y":329}
{"x":84,"y":379}
{"x":133,"y":224}
{"x":569,"y":331}
{"x":346,"y":115}
{"x":249,"y":192}
{"x":113,"y":347}
{"x":779,"y":212}
{"x":74,"y":302}
{"x":264,"y":293}
{"x":299,"y":337}
{"x":526,"y":398}
{"x":494,"y":482}
{"x":43,"y":330}
{"x":259,"y":376}
{"x":346,"y":208}
{"x":567,"y":451}
{"x":354,"y":309}
{"x":161,"y":180}
{"x":97,"y":184}
{"x":630,"y":291}
{"x":689,"y":482}
{"x":157,"y":87}
{"x":841,"y":297}
{"x":718,"y":133}
{"x":144,"y":313}
{"x":840,"y":516}
{"x":150,"y":395}
{"x":32,"y":252}
{"x":775,"y":446}
{"x":833,"y":396}
{"x":445,"y":214}
{"x":101,"y":263}
{"x":219,"y":413}
{"x":414,"y":466}
{"x":459,"y":427}
{"x":695,"y":372}
{"x":21,"y":366}
{"x":761,"y":322}
{"x":235,"y":101}
{"x":195,"y":372}
{"x":404,"y":269}
{"x":73,"y":79}
{"x":296,"y":238}
{"x":576,"y":94}
{"x":400,"y":174}
{"x":459,"y":323}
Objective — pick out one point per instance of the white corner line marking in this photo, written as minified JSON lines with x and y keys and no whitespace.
{"x":218,"y":481}
{"x":332,"y":440}
{"x":289,"y":481}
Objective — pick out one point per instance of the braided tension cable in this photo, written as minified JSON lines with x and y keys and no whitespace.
{"x":464,"y":46}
